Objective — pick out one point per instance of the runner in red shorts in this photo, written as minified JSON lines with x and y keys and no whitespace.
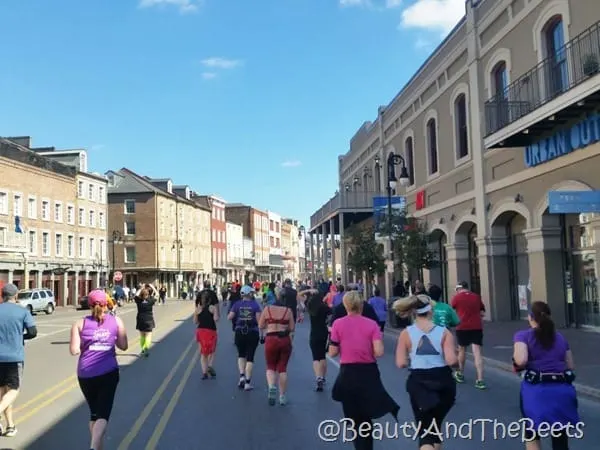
{"x":206,"y":318}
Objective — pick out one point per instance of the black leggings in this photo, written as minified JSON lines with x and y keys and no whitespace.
{"x":99,"y":393}
{"x":318,"y":348}
{"x":246,"y":344}
{"x":361,"y":442}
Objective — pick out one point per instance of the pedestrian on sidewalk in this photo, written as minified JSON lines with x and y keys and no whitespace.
{"x":14,"y":319}
{"x":162,"y":294}
{"x":430,"y":352}
{"x":547,"y":393}
{"x":95,"y":339}
{"x":469,"y":332}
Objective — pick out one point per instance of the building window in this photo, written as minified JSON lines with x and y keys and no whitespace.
{"x":460,"y":122}
{"x":129,"y":206}
{"x":130,"y":228}
{"x":272,"y":241}
{"x":81,"y":247}
{"x":81,"y":217}
{"x":91,"y":192}
{"x":46,"y":244}
{"x":59,"y":244}
{"x":45,"y":210}
{"x":80,"y":189}
{"x":102,"y":249}
{"x":92,"y":217}
{"x":70,"y":246}
{"x":32,"y":208}
{"x":410,"y":161}
{"x":555,"y":50}
{"x":18,"y":205}
{"x":3,"y":236}
{"x":432,"y":146}
{"x":130,"y":254}
{"x":58,"y":212}
{"x":102,"y":220}
{"x":101,"y":195}
{"x":70,"y":214}
{"x":92,"y":247}
{"x":500,"y":81}
{"x":3,"y":203}
{"x":33,"y":242}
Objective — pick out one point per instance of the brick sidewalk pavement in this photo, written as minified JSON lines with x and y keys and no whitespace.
{"x":585,"y":344}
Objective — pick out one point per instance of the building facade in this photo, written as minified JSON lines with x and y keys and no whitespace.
{"x":256,"y":227}
{"x":248,"y":253}
{"x":159,"y":234}
{"x":45,"y":242}
{"x":290,"y":248}
{"x":235,"y":252}
{"x":500,"y":117}
{"x":275,"y":255}
{"x":218,"y":238}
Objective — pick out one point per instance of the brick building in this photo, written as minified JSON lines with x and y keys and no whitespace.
{"x":158,"y":233}
{"x":45,"y":239}
{"x":218,"y":238}
{"x":256,"y":227}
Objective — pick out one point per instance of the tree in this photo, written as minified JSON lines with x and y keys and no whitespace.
{"x":366,"y":255}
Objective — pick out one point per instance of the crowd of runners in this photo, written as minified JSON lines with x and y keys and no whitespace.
{"x":344,"y":322}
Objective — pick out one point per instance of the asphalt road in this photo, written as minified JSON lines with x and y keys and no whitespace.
{"x":163,"y":404}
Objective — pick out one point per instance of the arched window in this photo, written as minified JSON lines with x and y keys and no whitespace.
{"x":409,"y":155}
{"x":554,"y":38}
{"x":432,"y":146}
{"x":500,"y":81}
{"x":462,"y":130}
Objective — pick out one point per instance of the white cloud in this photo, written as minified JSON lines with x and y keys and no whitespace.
{"x":185,"y":6}
{"x":209,"y":75}
{"x":221,"y":63}
{"x":291,"y":163}
{"x":434,"y":15}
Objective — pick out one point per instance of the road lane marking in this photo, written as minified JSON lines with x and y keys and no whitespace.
{"x":72,"y":379}
{"x":139,"y":423}
{"x":333,"y":361}
{"x":168,"y":412}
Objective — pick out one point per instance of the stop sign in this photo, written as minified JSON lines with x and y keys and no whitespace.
{"x":118,"y":276}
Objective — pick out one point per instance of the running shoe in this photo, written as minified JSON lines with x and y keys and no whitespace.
{"x":211,"y":372}
{"x":248,"y":386}
{"x":459,"y":377}
{"x":272,"y":395}
{"x":242,"y":382}
{"x":282,"y":400}
{"x":10,"y":432}
{"x":480,"y":384}
{"x":205,"y":376}
{"x":320,"y":384}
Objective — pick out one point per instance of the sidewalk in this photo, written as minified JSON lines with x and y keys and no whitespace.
{"x":498,"y":347}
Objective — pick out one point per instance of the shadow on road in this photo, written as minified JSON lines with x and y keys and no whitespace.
{"x":138,"y":382}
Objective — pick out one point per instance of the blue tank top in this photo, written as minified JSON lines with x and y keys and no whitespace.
{"x":426,"y":348}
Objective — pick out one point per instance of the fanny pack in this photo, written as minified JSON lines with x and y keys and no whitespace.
{"x":280,"y":334}
{"x":537,"y":377}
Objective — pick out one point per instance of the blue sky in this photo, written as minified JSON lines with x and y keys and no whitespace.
{"x":249,"y":100}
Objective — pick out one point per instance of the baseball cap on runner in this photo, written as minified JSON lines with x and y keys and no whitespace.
{"x":246,"y":290}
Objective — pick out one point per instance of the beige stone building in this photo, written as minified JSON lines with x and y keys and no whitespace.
{"x":159,"y":232}
{"x":501,"y":115}
{"x":52,"y":220}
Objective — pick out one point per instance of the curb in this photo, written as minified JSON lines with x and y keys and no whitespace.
{"x":582,"y":389}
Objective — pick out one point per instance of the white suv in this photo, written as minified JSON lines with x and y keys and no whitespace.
{"x":37,"y":300}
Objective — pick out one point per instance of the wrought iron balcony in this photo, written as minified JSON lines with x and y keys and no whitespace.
{"x":572,"y":65}
{"x":351,"y":201}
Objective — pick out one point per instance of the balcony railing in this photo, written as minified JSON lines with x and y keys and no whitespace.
{"x":578,"y":60}
{"x":351,"y":200}
{"x":11,"y":242}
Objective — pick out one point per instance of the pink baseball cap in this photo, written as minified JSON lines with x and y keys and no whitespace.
{"x":97,"y":297}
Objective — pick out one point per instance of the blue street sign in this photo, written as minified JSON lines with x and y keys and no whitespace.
{"x":380,"y":205}
{"x":573,"y":202}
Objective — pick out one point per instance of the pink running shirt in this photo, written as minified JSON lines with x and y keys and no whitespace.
{"x":355,"y":336}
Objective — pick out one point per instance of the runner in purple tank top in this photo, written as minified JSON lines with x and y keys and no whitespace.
{"x":95,"y":339}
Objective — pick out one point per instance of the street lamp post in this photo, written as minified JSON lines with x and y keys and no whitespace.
{"x":404,"y":180}
{"x":302,"y":232}
{"x":116,"y":238}
{"x":178,"y":245}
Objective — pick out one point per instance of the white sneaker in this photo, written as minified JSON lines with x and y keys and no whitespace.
{"x":248,"y":387}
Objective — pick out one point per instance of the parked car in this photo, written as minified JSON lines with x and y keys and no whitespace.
{"x":37,"y":300}
{"x":83,"y":302}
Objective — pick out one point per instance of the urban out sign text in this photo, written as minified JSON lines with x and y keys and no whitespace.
{"x":580,"y":135}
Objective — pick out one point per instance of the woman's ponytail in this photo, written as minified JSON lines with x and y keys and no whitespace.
{"x":98,"y":313}
{"x":545,"y":331}
{"x":405,"y":307}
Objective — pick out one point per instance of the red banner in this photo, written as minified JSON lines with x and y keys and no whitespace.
{"x":420,"y":200}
